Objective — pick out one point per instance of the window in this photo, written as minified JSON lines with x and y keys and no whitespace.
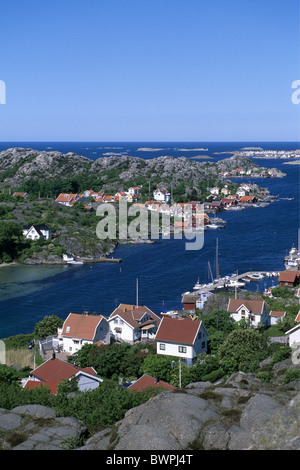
{"x":162,"y":347}
{"x":68,"y":329}
{"x":203,"y":345}
{"x":182,"y":349}
{"x":243,"y":313}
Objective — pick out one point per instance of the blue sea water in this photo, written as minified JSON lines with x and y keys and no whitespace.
{"x":254,"y":239}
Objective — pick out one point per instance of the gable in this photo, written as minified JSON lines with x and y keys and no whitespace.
{"x":178,"y":330}
{"x":81,"y":325}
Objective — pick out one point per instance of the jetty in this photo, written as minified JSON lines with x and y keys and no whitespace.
{"x":231,"y":282}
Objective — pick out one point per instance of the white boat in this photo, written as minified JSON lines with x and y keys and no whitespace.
{"x":233,"y":283}
{"x":256,"y":276}
{"x":198,"y":286}
{"x":74,"y":262}
{"x":214,"y":226}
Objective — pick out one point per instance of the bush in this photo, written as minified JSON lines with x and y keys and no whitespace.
{"x":291,"y":375}
{"x":213,"y":376}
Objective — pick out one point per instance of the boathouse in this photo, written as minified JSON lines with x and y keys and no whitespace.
{"x":289,"y":278}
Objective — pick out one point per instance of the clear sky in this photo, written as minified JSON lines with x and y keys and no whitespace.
{"x":149,"y":70}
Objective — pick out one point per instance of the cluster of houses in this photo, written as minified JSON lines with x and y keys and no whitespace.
{"x":254,"y":172}
{"x":178,"y":336}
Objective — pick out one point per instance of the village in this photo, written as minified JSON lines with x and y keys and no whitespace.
{"x":179,"y":335}
{"x":187,"y":215}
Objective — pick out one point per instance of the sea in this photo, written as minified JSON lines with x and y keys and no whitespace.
{"x":156,"y":275}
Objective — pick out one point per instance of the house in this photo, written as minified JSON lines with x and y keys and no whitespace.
{"x":162,"y":195}
{"x":189,"y":301}
{"x":67,"y":199}
{"x":248,"y":199}
{"x":35,"y":232}
{"x":147,"y":381}
{"x":289,"y":278}
{"x":134,"y":191}
{"x":276,"y":316}
{"x":181,"y":337}
{"x":294,"y":335}
{"x":54,"y":370}
{"x":255,"y":310}
{"x":132,"y":323}
{"x":80,"y":329}
{"x":213,"y":206}
{"x":23,"y":195}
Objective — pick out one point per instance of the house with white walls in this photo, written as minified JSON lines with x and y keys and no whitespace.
{"x":79,"y":329}
{"x":181,"y":337}
{"x":254,"y":310}
{"x":36,"y":232}
{"x":131,"y":323}
{"x":162,"y":195}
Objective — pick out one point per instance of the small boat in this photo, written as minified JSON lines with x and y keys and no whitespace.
{"x":198,"y":286}
{"x":75,"y":262}
{"x":255,"y":276}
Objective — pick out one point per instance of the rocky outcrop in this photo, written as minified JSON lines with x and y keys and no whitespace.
{"x":36,"y":427}
{"x":243,"y":413}
{"x":19,"y":164}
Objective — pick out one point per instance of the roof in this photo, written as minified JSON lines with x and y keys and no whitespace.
{"x":288,"y":276}
{"x":147,"y":381}
{"x":54,"y":370}
{"x":297,"y":319}
{"x":277,"y":313}
{"x":133,"y":314}
{"x":254,"y":306}
{"x":178,"y":330}
{"x":247,"y":198}
{"x":82,"y":326}
{"x":65,"y":197}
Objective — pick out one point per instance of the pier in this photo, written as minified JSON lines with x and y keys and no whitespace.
{"x":224,"y":282}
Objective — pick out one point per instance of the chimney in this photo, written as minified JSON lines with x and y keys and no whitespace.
{"x":53,"y":355}
{"x":86,"y":313}
{"x":156,"y":379}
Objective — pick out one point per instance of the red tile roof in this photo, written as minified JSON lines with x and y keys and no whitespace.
{"x":53,"y":371}
{"x":254,"y":306}
{"x":288,"y":276}
{"x":277,"y":313}
{"x":147,"y":381}
{"x":133,"y":314}
{"x":81,"y":325}
{"x":178,"y":330}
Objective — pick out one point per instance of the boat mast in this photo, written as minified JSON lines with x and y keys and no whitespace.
{"x":137,"y":292}
{"x":217,"y":263}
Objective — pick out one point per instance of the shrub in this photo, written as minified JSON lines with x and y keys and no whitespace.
{"x":290,"y":375}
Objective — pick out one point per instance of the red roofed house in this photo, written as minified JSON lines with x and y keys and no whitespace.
{"x":255,"y":310}
{"x":132,"y":323}
{"x":68,"y":199}
{"x":53,"y":371}
{"x":182,"y":337}
{"x":276,"y":316}
{"x":289,"y":278}
{"x":79,"y":329}
{"x":147,"y":381}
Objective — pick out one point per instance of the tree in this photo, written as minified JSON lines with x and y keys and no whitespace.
{"x":243,"y":350}
{"x":48,"y":326}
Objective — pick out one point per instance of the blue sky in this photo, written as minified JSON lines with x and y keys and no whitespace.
{"x":149,"y":70}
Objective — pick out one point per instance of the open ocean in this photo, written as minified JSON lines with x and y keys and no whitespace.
{"x":254,"y":239}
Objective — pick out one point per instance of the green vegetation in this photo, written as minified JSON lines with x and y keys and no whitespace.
{"x":233,"y":348}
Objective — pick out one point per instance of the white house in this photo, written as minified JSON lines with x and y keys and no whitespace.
{"x":181,"y":337}
{"x":80,"y":329}
{"x":256,"y":310}
{"x":162,"y":195}
{"x":276,"y":316}
{"x":294,"y":335}
{"x":132,"y":323}
{"x":35,"y":232}
{"x":54,"y":370}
